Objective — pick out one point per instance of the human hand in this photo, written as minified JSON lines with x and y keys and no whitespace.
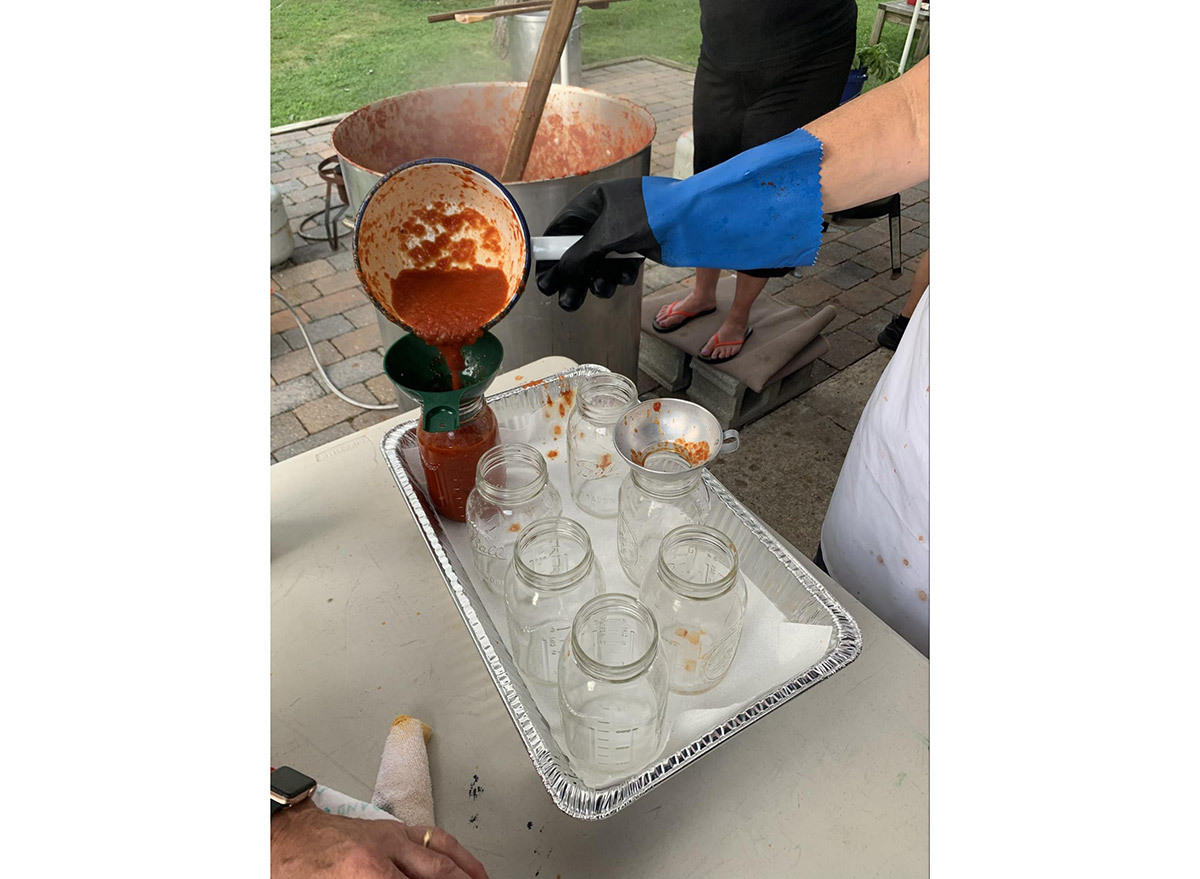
{"x":611,"y":217}
{"x":307,"y":843}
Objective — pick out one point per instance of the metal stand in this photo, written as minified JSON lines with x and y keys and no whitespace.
{"x":885,"y":207}
{"x":331,"y":172}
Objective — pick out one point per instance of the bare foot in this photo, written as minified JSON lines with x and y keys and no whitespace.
{"x":732,"y":330}
{"x":677,"y":312}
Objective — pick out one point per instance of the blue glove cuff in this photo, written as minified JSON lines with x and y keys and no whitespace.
{"x":760,"y":209}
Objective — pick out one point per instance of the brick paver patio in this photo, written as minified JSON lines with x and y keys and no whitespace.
{"x":852,"y":273}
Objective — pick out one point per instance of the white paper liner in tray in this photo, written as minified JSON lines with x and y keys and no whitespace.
{"x":795,"y":634}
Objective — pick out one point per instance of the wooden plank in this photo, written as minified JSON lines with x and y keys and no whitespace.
{"x":509,"y":9}
{"x":472,"y":17}
{"x":545,"y":63}
{"x":877,"y":27}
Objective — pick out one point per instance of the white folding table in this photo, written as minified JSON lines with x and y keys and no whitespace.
{"x":834,"y":783}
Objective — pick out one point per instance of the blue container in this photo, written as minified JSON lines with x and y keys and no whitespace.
{"x":854,"y":85}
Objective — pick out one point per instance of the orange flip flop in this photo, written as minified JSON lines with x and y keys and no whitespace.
{"x":742,"y":341}
{"x":672,"y":311}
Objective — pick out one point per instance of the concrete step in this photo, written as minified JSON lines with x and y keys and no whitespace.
{"x":667,"y":365}
{"x":733,"y":403}
{"x":775,"y":368}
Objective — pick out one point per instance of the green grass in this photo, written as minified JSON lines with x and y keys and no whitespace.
{"x":331,"y":56}
{"x":671,"y":29}
{"x":666,"y":28}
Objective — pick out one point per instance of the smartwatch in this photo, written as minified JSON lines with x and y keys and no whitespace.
{"x":289,"y":787}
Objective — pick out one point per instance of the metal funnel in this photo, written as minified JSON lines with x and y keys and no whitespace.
{"x":668,"y":437}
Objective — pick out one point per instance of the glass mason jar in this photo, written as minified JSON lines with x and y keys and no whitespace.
{"x":553,"y":572}
{"x":449,"y":458}
{"x":512,"y":490}
{"x":649,"y":506}
{"x":698,"y":597}
{"x":596,"y":468}
{"x":612,"y":686}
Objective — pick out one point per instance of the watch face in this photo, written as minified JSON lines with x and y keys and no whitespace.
{"x":289,"y":783}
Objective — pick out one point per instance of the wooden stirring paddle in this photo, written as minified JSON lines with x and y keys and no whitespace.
{"x":550,"y":49}
{"x":486,"y":13}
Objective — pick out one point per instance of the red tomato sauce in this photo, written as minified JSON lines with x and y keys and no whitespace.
{"x":449,"y":459}
{"x":448,"y":307}
{"x":447,"y":302}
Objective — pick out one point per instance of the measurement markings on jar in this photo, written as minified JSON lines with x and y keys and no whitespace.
{"x":611,"y":746}
{"x":551,"y":645}
{"x":616,"y":645}
{"x":554,"y":559}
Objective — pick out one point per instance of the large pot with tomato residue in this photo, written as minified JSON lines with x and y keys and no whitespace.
{"x":584,"y":136}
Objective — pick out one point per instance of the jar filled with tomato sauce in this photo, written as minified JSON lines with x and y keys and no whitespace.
{"x":450,"y":457}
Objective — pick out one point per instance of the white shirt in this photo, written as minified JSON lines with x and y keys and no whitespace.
{"x":875,"y":539}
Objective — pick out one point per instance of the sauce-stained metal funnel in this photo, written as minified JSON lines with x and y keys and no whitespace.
{"x":668,"y":437}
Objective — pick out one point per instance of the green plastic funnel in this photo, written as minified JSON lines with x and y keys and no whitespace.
{"x":420,"y":371}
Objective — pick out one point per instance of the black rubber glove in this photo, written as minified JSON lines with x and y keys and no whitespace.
{"x":611,"y":217}
{"x":760,"y":208}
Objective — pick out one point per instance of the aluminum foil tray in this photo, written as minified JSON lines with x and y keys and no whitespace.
{"x":531,"y":414}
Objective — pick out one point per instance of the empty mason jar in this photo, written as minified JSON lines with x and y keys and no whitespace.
{"x":596,"y":468}
{"x":652,"y":504}
{"x":553,"y":572}
{"x":612,"y":686}
{"x":698,"y":597}
{"x":512,"y":490}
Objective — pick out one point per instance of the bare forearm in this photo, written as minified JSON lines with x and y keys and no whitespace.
{"x":876,"y":144}
{"x":764,"y":207}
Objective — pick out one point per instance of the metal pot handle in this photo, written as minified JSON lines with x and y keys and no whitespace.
{"x":552,"y":247}
{"x":730,"y":442}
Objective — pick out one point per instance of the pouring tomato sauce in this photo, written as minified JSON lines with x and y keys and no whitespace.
{"x":449,"y":307}
{"x":438,"y":266}
{"x":447,"y":299}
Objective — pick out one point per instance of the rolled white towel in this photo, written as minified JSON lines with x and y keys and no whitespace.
{"x":403,"y":787}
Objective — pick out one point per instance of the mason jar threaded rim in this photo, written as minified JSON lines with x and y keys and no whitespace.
{"x":604,"y":604}
{"x":612,"y":385}
{"x":544,"y":582}
{"x":470,"y":407}
{"x":711,"y":538}
{"x":665,"y":484}
{"x":489,"y":468}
